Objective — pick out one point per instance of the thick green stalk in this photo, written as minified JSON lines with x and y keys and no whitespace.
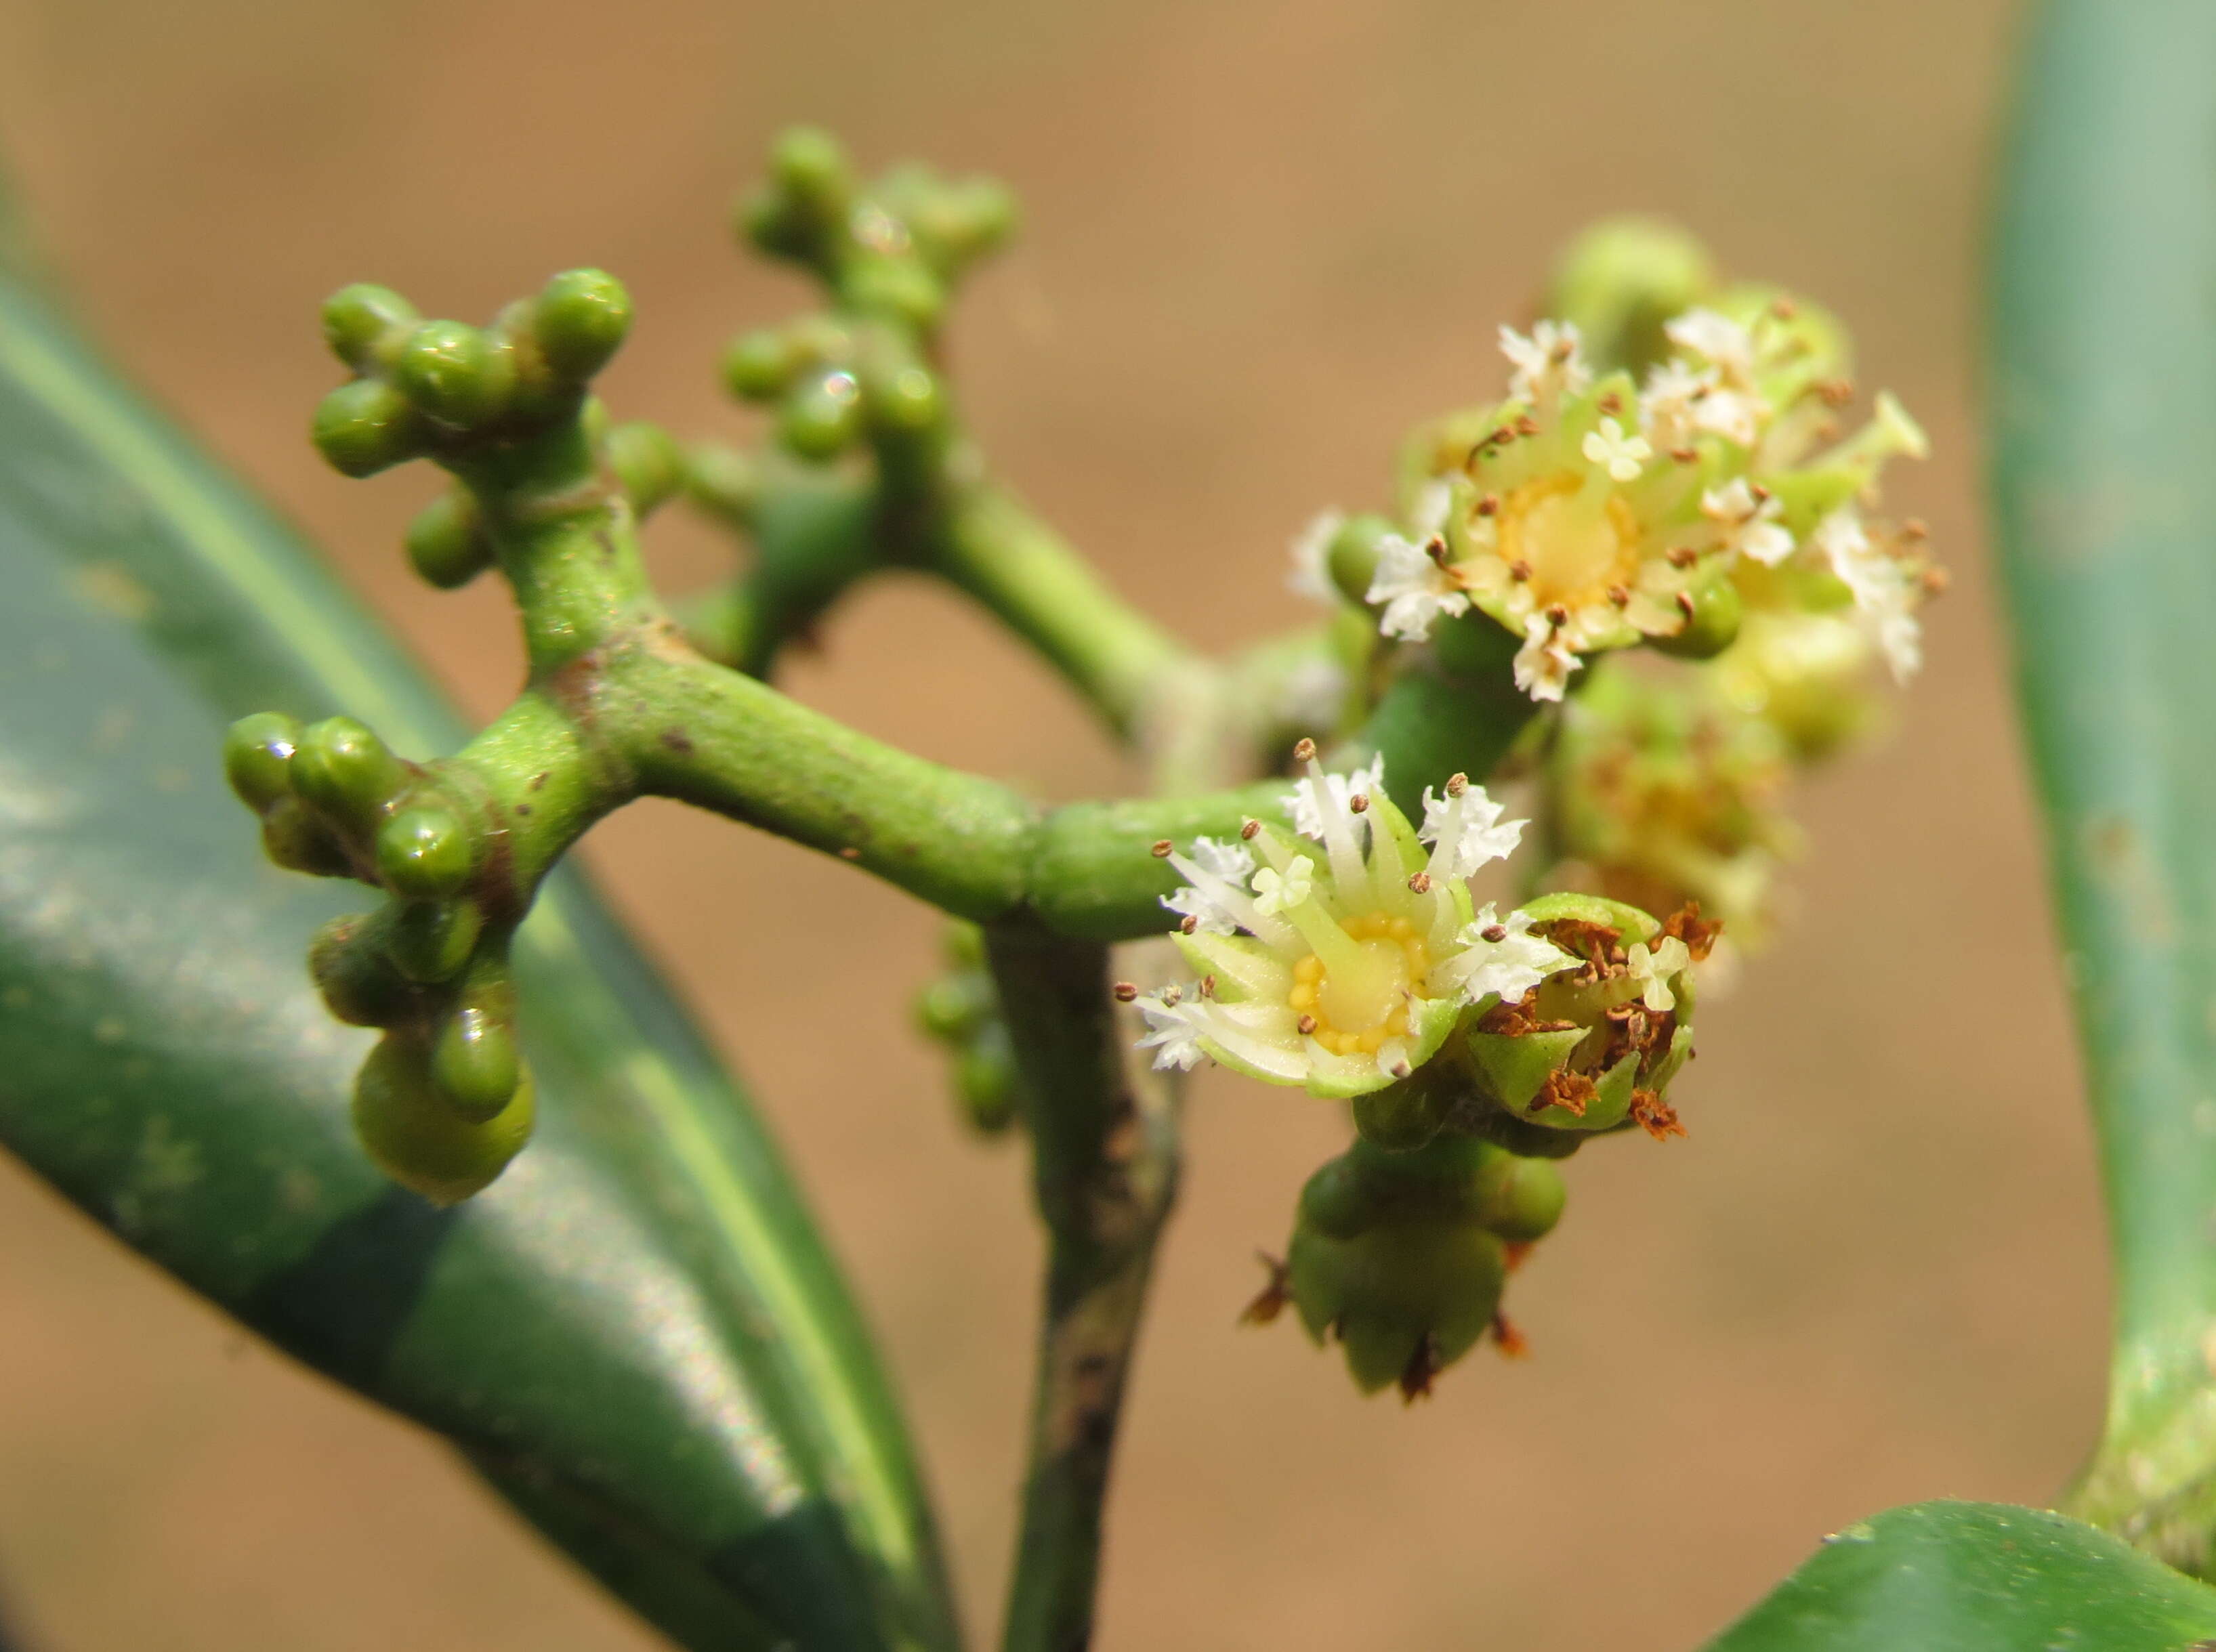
{"x":2103,"y":347}
{"x":1104,"y":1163}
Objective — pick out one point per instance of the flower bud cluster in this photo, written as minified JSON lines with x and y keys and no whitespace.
{"x":889,"y":254}
{"x":1401,"y":1257}
{"x":445,"y":1100}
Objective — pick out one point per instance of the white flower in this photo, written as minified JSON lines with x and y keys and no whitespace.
{"x":1281,"y":892}
{"x":1545,"y":662}
{"x":1621,"y":454}
{"x":1669,"y":407}
{"x":1224,"y":866}
{"x":1173,"y":1028}
{"x":1351,"y":971}
{"x":1749,"y":525}
{"x":1317,"y":799}
{"x":1414,"y":588}
{"x":1465,"y":829}
{"x":1735,"y":415}
{"x":1723,"y":341}
{"x":1503,"y":958}
{"x":1547,"y":365}
{"x":1311,"y":574}
{"x":1886,"y":594}
{"x":1653,"y":967}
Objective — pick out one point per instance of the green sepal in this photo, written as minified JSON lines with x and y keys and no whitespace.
{"x":412,"y":1132}
{"x":1516,"y":1066}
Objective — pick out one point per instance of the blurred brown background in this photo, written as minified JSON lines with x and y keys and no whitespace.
{"x":1261,"y":239}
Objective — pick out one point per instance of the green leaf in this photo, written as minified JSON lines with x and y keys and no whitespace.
{"x":638,"y":1331}
{"x":1977,"y":1577}
{"x":2104,"y":358}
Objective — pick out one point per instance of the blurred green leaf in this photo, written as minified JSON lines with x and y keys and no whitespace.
{"x":1977,"y":1577}
{"x":637,"y":1331}
{"x":2104,"y":360}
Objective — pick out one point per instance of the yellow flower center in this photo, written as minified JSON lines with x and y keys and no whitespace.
{"x":1363,"y":1001}
{"x":1575,"y":549}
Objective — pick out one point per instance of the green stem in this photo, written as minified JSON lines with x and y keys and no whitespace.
{"x":1104,"y":1138}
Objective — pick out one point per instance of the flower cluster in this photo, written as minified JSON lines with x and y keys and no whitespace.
{"x":1586,"y":512}
{"x":1342,"y":957}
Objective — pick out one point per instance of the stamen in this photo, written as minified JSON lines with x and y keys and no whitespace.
{"x":1188,"y":924}
{"x":1495,"y":932}
{"x":1359,"y":803}
{"x":1161,"y":849}
{"x":1304,"y":751}
{"x":1125,"y":992}
{"x":1489,"y":506}
{"x":1248,"y":829}
{"x":1457,"y":783}
{"x":1420,"y":884}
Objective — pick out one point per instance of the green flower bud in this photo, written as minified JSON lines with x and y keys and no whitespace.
{"x":579,"y":321}
{"x":295,"y":839}
{"x":985,"y":1080}
{"x":759,"y":365}
{"x":1406,"y":1113}
{"x":899,"y":289}
{"x":953,"y":1008}
{"x":723,"y":481}
{"x":647,"y":462}
{"x":1520,"y":1199}
{"x":454,"y":374}
{"x":447,"y":542}
{"x":1712,"y":623}
{"x":1351,"y":555}
{"x":412,"y":1133}
{"x":344,"y":771}
{"x":358,"y":983}
{"x":809,"y":170}
{"x":257,"y":757}
{"x":360,"y":321}
{"x":365,"y":426}
{"x":430,"y":941}
{"x":903,"y":396}
{"x":425,"y":854}
{"x":475,"y":1065}
{"x":821,"y":419}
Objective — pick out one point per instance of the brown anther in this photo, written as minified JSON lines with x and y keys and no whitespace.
{"x":1359,"y":803}
{"x":1208,"y":986}
{"x":1684,"y":455}
{"x":1611,"y":403}
{"x":1188,"y":924}
{"x":1836,"y":392}
{"x":1161,"y":850}
{"x":1656,"y":1117}
{"x":1619,"y":596}
{"x":1828,"y":431}
{"x":850,"y":853}
{"x":1303,"y":750}
{"x":1249,"y":829}
{"x":1760,"y":493}
{"x":1562,"y":350}
{"x":1420,"y":884}
{"x":1934,"y":581}
{"x":1527,"y":425}
{"x":1698,"y":933}
{"x":1457,"y":783}
{"x":1402,"y":1069}
{"x":1501,"y":436}
{"x":1915,"y":528}
{"x":1783,"y":308}
{"x":1519,"y":570}
{"x":1275,"y":1294}
{"x":1683,"y":556}
{"x":1435,"y":549}
{"x":1557,"y":615}
{"x":1495,"y":932}
{"x":1306,"y":1024}
{"x":1570,"y":1091}
{"x":1489,"y":505}
{"x":1687,"y":607}
{"x":1514,"y":1345}
{"x":1125,"y":992}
